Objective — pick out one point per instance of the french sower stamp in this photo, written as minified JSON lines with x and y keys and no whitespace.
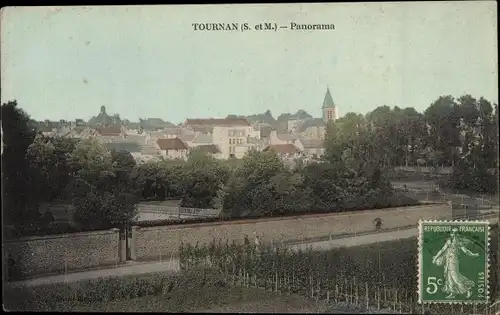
{"x":453,"y":261}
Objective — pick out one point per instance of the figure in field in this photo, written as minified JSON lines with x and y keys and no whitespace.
{"x":454,"y":282}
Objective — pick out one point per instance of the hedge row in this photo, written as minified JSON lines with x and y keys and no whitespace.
{"x":399,"y":200}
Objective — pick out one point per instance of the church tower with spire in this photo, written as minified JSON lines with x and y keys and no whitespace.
{"x":329,"y":108}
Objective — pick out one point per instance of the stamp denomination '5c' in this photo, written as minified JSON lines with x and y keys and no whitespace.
{"x":453,"y":261}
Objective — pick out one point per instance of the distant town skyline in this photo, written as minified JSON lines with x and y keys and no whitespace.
{"x":67,"y":62}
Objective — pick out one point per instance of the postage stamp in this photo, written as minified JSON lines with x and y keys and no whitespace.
{"x":453,"y":262}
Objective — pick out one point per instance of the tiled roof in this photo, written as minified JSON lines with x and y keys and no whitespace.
{"x":209,"y":148}
{"x":171,"y":144}
{"x":311,"y":143}
{"x":218,"y":122}
{"x":314,"y":122}
{"x":110,"y":131}
{"x":283,"y":148}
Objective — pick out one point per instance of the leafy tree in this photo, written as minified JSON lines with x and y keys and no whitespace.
{"x":290,"y":193}
{"x":443,"y":120}
{"x":246,"y":192}
{"x":18,"y":132}
{"x":414,"y":130}
{"x":160,"y":180}
{"x":324,"y":182}
{"x":203,"y":178}
{"x":89,"y":160}
{"x":262,"y":185}
{"x":123,"y":165}
{"x":333,"y":143}
{"x":102,"y":197}
{"x":48,"y":162}
{"x":336,"y":187}
{"x":102,"y":210}
{"x":151,"y":180}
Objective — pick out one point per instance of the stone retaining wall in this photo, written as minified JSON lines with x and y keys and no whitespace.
{"x":156,"y":243}
{"x":59,"y":253}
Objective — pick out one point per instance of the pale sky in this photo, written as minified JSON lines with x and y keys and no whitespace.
{"x":147,"y":61}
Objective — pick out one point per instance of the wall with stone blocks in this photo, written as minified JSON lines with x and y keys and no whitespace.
{"x":59,"y":253}
{"x":162,"y":242}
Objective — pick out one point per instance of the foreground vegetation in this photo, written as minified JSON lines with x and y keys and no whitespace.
{"x":379,"y":276}
{"x":146,"y":293}
{"x":384,"y":274}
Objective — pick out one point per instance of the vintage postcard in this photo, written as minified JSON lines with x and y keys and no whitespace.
{"x":251,"y":158}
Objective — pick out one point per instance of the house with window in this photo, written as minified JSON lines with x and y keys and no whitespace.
{"x":112,"y":133}
{"x":173,"y":148}
{"x":231,"y":135}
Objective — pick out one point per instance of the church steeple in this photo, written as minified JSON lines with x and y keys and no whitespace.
{"x":328,"y":101}
{"x":329,"y":108}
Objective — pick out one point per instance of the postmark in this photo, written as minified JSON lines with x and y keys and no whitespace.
{"x":453,"y":264}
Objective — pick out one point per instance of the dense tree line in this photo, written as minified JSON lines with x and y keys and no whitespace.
{"x":104,"y":186}
{"x":459,"y":133}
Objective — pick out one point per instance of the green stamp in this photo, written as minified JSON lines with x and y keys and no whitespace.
{"x":453,"y":262}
